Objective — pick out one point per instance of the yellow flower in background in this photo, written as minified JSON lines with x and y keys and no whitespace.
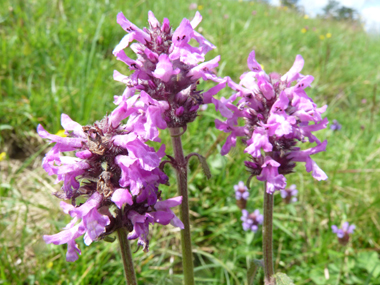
{"x":251,"y":3}
{"x":200,"y":7}
{"x":240,"y":1}
{"x":3,"y":155}
{"x":262,"y":66}
{"x":328,"y":35}
{"x":61,"y":133}
{"x":303,"y":30}
{"x":321,"y":37}
{"x":80,"y":30}
{"x":306,"y":17}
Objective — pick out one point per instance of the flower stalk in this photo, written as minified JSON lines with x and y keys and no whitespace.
{"x":268,"y":238}
{"x":181,"y":173}
{"x":126,"y":256}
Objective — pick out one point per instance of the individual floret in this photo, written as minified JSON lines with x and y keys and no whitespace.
{"x":251,"y":221}
{"x":344,"y":233}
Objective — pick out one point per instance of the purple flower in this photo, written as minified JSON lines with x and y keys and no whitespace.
{"x":289,"y":194}
{"x":335,"y":126}
{"x":241,"y":194}
{"x":251,"y":221}
{"x":343,"y":234}
{"x":162,"y":214}
{"x":112,"y":166}
{"x":166,"y":73}
{"x":278,"y":114}
{"x":241,"y":191}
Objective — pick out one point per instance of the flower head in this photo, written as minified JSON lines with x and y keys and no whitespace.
{"x":335,"y":126}
{"x":167,"y":70}
{"x":116,"y":172}
{"x":251,"y":221}
{"x":289,"y":194}
{"x":343,"y":234}
{"x":278,"y":114}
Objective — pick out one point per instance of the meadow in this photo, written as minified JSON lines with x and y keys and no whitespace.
{"x":56,"y":57}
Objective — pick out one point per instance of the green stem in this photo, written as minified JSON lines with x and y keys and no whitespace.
{"x":268,"y":238}
{"x":181,"y":172}
{"x":126,"y":255}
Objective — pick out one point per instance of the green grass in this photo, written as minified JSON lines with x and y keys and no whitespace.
{"x":56,"y":56}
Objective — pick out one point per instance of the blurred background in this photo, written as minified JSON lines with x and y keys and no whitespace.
{"x":56,"y":57}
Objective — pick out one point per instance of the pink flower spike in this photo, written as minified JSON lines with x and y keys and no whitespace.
{"x":166,"y":61}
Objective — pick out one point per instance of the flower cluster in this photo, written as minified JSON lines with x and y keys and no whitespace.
{"x":277,"y":115}
{"x":115,"y":173}
{"x":343,"y":234}
{"x":166,"y":72}
{"x":251,"y":221}
{"x":335,"y":126}
{"x":241,"y":194}
{"x":289,"y":194}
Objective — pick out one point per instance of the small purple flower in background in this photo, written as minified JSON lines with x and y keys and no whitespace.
{"x":241,"y":194}
{"x":112,"y":167}
{"x":277,"y":116}
{"x":251,"y":221}
{"x":193,"y":6}
{"x":343,"y":234}
{"x":166,"y":72}
{"x":289,"y":194}
{"x":335,"y":126}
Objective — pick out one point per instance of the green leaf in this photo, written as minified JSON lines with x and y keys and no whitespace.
{"x":370,"y":262}
{"x":28,"y":161}
{"x":252,"y":271}
{"x":203,"y":162}
{"x":283,"y":279}
{"x":249,"y":237}
{"x":109,"y":239}
{"x":259,"y":262}
{"x":5,"y":127}
{"x":281,"y":227}
{"x":205,"y":167}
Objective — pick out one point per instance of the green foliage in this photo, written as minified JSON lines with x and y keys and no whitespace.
{"x":282,"y":279}
{"x":56,"y":56}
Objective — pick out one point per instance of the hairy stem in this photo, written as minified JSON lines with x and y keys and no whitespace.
{"x":181,"y":171}
{"x":268,"y":238}
{"x":126,"y":255}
